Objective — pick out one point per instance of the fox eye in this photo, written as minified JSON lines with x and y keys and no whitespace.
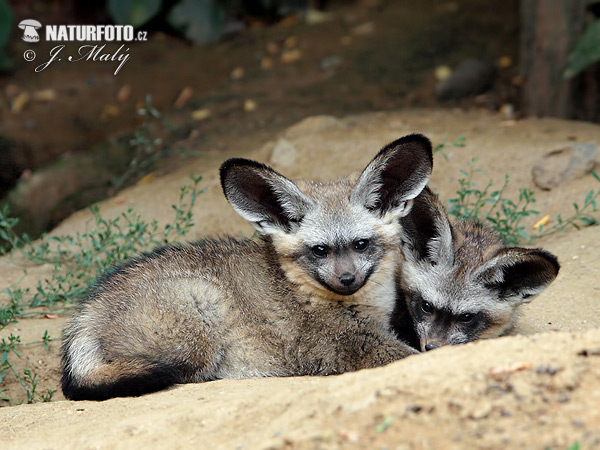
{"x":361,"y":245}
{"x":320,"y":251}
{"x":426,"y":307}
{"x":466,"y":318}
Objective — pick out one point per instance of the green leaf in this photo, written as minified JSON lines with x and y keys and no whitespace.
{"x":6,"y":62}
{"x":588,"y":221}
{"x":6,"y":23}
{"x":384,"y":425}
{"x":588,"y":197}
{"x":586,"y":52}
{"x":201,"y":21}
{"x":6,"y":29}
{"x":133,"y":12}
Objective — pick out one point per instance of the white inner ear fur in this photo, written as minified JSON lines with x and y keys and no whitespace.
{"x":293,"y":201}
{"x":395,"y":214}
{"x":369,"y":182}
{"x":440,"y":248}
{"x":367,"y":186}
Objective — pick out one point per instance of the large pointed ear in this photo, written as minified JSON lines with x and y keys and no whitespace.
{"x":426,"y":233}
{"x":397,"y":174}
{"x":519,"y":273}
{"x":262,"y":196}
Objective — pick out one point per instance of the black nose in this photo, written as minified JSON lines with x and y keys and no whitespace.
{"x":430,"y":347}
{"x":347,"y":279}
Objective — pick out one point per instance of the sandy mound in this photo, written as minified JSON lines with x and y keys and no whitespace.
{"x":538,"y":391}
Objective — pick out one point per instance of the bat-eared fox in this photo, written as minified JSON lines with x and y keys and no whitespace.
{"x":312,"y":296}
{"x":458,"y":282}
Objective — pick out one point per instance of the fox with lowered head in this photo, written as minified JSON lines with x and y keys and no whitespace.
{"x":312,"y":296}
{"x":457,"y":281}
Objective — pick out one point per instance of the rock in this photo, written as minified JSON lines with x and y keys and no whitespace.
{"x":291,"y":56}
{"x":504,"y":62}
{"x":109,"y":111}
{"x":290,"y":42}
{"x":442,"y":72}
{"x":471,"y":77}
{"x":480,"y":411}
{"x":237,"y":73}
{"x":51,"y":193}
{"x":266,"y":63}
{"x":19,"y":102}
{"x":201,"y":114}
{"x":184,"y":96}
{"x":315,"y":17}
{"x":124,"y":93}
{"x":249,"y":105}
{"x":330,"y":62}
{"x":364,"y":29}
{"x":284,"y":154}
{"x":563,"y":165}
{"x":312,"y":124}
{"x":44,"y":95}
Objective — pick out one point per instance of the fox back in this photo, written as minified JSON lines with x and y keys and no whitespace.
{"x":312,"y":296}
{"x":458,"y":282}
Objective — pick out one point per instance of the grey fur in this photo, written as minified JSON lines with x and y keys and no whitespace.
{"x":458,"y":282}
{"x":227,"y":308}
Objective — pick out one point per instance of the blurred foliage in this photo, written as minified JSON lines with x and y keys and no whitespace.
{"x":133,"y":12}
{"x":587,"y":48}
{"x":200,"y":21}
{"x":6,"y":25}
{"x":264,"y":8}
{"x":586,"y":52}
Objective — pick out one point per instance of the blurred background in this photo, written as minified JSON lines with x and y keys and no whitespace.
{"x":214,"y":71}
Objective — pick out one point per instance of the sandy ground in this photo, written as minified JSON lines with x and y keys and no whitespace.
{"x":537,"y":391}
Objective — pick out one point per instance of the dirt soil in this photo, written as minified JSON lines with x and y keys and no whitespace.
{"x":539,"y":389}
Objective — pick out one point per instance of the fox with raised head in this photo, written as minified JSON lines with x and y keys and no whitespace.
{"x":312,"y":296}
{"x":457,"y":281}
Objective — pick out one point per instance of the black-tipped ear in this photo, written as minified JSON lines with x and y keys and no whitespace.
{"x":262,"y":196}
{"x":398,"y":173}
{"x":426,"y":232}
{"x":520,"y":273}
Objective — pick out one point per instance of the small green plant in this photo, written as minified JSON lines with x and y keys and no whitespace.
{"x":459,"y":142}
{"x":27,"y":379}
{"x":506,"y":215}
{"x":76,"y":261}
{"x":147,"y":147}
{"x":384,"y":424}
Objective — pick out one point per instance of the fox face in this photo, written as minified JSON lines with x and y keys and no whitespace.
{"x":343,"y":261}
{"x":458,"y":282}
{"x":332,"y":238}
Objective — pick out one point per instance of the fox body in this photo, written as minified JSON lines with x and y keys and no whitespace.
{"x":312,"y":296}
{"x":458,"y":282}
